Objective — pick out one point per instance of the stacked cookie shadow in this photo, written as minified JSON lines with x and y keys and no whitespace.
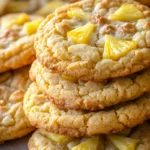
{"x":91,"y":79}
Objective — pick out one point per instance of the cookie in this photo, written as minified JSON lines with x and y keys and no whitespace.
{"x":47,"y":140}
{"x":50,"y":7}
{"x":17,"y":33}
{"x":71,"y":93}
{"x":13,"y":123}
{"x":145,"y":2}
{"x":4,"y":4}
{"x":17,"y":6}
{"x":95,"y":39}
{"x":43,"y":114}
{"x":142,"y":135}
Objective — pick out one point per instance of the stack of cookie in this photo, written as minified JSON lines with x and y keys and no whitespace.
{"x":17,"y":52}
{"x":91,"y":79}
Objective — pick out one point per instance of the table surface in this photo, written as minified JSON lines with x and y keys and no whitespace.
{"x":18,"y":144}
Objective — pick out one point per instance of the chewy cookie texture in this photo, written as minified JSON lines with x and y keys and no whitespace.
{"x":137,"y":139}
{"x":13,"y":122}
{"x":71,"y":93}
{"x":17,"y":40}
{"x":43,"y":114}
{"x":91,"y":78}
{"x":95,"y":40}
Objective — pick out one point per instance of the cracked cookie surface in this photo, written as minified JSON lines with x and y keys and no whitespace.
{"x":43,"y":114}
{"x":77,"y":94}
{"x":76,"y":39}
{"x":16,"y":44}
{"x":13,"y":123}
{"x":46,"y":140}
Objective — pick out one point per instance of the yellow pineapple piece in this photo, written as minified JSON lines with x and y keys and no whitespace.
{"x":127,"y":12}
{"x":31,"y":27}
{"x":78,"y":13}
{"x":50,"y":7}
{"x":82,"y":35}
{"x":73,"y":144}
{"x":123,"y":143}
{"x":14,"y":7}
{"x":21,"y":19}
{"x":69,"y":78}
{"x":116,"y":48}
{"x":18,"y":20}
{"x":89,"y":144}
{"x":62,"y":139}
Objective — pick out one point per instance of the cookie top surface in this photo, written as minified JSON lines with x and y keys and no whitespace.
{"x":13,"y":123}
{"x":47,"y":140}
{"x":16,"y":40}
{"x":96,"y":40}
{"x":43,"y":114}
{"x":71,"y":93}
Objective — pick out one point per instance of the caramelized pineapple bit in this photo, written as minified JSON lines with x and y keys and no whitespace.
{"x":62,"y":139}
{"x":123,"y":143}
{"x":116,"y":48}
{"x":50,"y":7}
{"x":82,"y":35}
{"x":69,"y":78}
{"x":78,"y":13}
{"x":31,"y":27}
{"x":89,"y":144}
{"x":127,"y":12}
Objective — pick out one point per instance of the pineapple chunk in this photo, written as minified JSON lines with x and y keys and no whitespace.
{"x":127,"y":12}
{"x":18,"y":20}
{"x":50,"y":7}
{"x":62,"y":139}
{"x":82,"y":35}
{"x":116,"y":48}
{"x":89,"y":144}
{"x":69,"y":78}
{"x":21,"y":19}
{"x":123,"y":143}
{"x":31,"y":27}
{"x":78,"y":13}
{"x":73,"y":144}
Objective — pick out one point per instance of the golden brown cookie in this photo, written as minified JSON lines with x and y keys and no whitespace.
{"x":50,"y":7}
{"x":71,"y":93}
{"x":16,"y":40}
{"x":4,"y":4}
{"x":142,"y":135}
{"x":47,"y":140}
{"x":43,"y":114}
{"x":17,"y":6}
{"x":95,"y":39}
{"x":145,"y":2}
{"x":13,"y":123}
